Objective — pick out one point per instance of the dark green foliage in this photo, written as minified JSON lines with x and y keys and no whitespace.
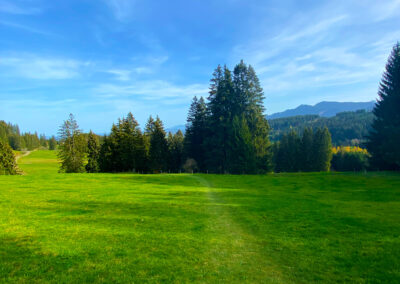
{"x":232,"y":103}
{"x":72,"y":147}
{"x":43,"y":141}
{"x":220,"y":108}
{"x":52,"y":143}
{"x":11,"y":135}
{"x":346,"y":128}
{"x":350,"y":161}
{"x":124,"y":149}
{"x":322,"y":150}
{"x":384,"y":137}
{"x":288,"y":154}
{"x":158,"y":151}
{"x":176,"y":151}
{"x":93,"y":149}
{"x":196,"y":132}
{"x":306,"y":154}
{"x":311,"y":152}
{"x":242,"y":154}
{"x":8,"y":165}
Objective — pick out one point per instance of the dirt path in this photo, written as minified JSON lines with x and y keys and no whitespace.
{"x":24,"y":155}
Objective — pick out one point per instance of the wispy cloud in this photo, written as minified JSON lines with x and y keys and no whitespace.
{"x":26,"y":28}
{"x":40,"y":68}
{"x":122,"y":9}
{"x":13,"y":8}
{"x":158,"y":90}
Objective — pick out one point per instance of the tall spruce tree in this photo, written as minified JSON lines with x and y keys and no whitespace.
{"x":52,"y":143}
{"x":176,"y":151}
{"x":240,"y":96}
{"x":306,"y":150}
{"x":220,"y":119}
{"x":322,"y":149}
{"x":93,"y":149}
{"x":384,"y":137}
{"x":241,"y":155}
{"x":72,"y":147}
{"x":196,"y":132}
{"x":8,"y":164}
{"x":124,"y":150}
{"x":158,"y":151}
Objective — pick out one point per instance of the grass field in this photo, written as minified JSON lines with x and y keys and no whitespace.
{"x":301,"y":228}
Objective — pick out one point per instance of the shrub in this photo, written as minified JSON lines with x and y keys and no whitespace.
{"x":8,"y":165}
{"x":349,"y":159}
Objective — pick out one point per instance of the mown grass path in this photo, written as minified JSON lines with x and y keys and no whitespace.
{"x":125,"y":228}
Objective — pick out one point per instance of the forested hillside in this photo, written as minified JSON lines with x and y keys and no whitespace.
{"x":346,"y":128}
{"x":325,"y":109}
{"x":11,"y":134}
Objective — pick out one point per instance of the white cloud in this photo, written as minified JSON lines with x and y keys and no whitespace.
{"x":12,"y":8}
{"x":40,"y":68}
{"x":121,"y":75}
{"x":25,"y":28}
{"x":122,"y":9}
{"x":158,"y":90}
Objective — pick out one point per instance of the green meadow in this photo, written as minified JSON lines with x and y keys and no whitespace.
{"x":129,"y":228}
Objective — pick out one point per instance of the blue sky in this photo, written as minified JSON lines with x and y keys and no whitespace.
{"x":100,"y":59}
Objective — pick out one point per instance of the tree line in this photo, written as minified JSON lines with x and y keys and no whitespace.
{"x":226,"y":133}
{"x":10,"y":134}
{"x":348,"y":128}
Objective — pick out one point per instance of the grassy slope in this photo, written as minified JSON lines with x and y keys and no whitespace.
{"x":183,"y":228}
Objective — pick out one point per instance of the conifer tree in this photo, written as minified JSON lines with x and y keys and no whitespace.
{"x":8,"y":164}
{"x":196,"y":132}
{"x":93,"y":148}
{"x":52,"y":143}
{"x":176,"y":151}
{"x":220,"y":119}
{"x":384,"y":137}
{"x":306,"y":150}
{"x":241,"y":155}
{"x":322,"y":149}
{"x":158,"y":151}
{"x":72,"y":147}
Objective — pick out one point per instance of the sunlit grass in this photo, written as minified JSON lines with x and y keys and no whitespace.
{"x":74,"y":228}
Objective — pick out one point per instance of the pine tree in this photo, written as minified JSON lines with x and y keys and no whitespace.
{"x":384,"y":137}
{"x":52,"y":143}
{"x":176,"y":151}
{"x":72,"y":147}
{"x":306,"y":150}
{"x":322,"y":149}
{"x":241,"y":155}
{"x":8,"y":164}
{"x":158,"y":152}
{"x":196,"y":132}
{"x":220,"y":119}
{"x":93,"y":148}
{"x":43,"y":141}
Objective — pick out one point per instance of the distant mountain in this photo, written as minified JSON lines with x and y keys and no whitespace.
{"x":347,"y":128}
{"x":324,"y":109}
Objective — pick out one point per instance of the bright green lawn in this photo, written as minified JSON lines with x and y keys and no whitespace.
{"x":74,"y":228}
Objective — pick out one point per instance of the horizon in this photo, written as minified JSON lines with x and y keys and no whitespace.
{"x":109,"y":57}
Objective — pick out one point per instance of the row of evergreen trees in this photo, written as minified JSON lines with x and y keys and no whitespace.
{"x":10,"y":134}
{"x":226,"y":134}
{"x":126,"y":149}
{"x":229,"y":132}
{"x":311,"y":152}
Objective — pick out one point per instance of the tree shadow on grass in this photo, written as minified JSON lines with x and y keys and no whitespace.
{"x":22,"y":260}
